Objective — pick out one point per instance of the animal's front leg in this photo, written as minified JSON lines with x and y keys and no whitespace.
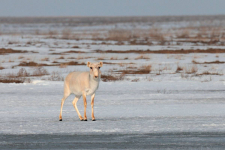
{"x":75,"y":106}
{"x":85,"y":106}
{"x":92,"y":107}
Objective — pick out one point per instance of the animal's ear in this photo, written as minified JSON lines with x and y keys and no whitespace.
{"x":101,"y":64}
{"x":88,"y":64}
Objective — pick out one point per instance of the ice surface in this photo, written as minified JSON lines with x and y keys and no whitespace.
{"x":120,"y":107}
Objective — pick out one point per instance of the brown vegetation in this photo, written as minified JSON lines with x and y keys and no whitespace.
{"x":71,"y":58}
{"x":56,"y":77}
{"x":182,"y":51}
{"x":34,"y":64}
{"x":12,"y":80}
{"x":20,"y":57}
{"x":1,"y":68}
{"x":63,"y":53}
{"x":119,"y":35}
{"x":209,"y":73}
{"x":22,"y":75}
{"x":39,"y":71}
{"x":212,"y":62}
{"x":191,"y":69}
{"x":75,"y":47}
{"x":146,"y":69}
{"x":61,"y":57}
{"x":45,"y":59}
{"x":4,"y":51}
{"x":107,"y":78}
{"x":72,"y":63}
{"x":135,"y":80}
{"x":179,"y":69}
{"x":142,"y":57}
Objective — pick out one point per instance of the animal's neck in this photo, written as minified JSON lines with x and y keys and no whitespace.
{"x":93,"y":85}
{"x":92,"y":80}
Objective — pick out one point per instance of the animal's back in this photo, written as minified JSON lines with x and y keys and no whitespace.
{"x":76,"y":82}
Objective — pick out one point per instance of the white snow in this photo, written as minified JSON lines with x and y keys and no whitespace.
{"x":161,"y":101}
{"x":120,"y":107}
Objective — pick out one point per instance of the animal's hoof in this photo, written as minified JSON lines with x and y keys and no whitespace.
{"x":85,"y":119}
{"x":81,"y":119}
{"x":60,"y":119}
{"x":93,"y":120}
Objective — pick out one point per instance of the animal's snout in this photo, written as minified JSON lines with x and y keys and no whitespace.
{"x":96,"y":76}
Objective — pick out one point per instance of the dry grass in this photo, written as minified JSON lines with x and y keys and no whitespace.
{"x":52,"y":34}
{"x":212,"y":62}
{"x":71,"y":58}
{"x":184,"y":34}
{"x":55,"y":63}
{"x":11,"y":60}
{"x":101,"y":58}
{"x":75,"y":46}
{"x":64,"y":53}
{"x":119,"y":35}
{"x":22,"y":76}
{"x":191,"y":69}
{"x":108,"y":78}
{"x":12,"y":80}
{"x":179,"y":57}
{"x":66,"y":34}
{"x":203,"y":33}
{"x":1,"y":68}
{"x":145,"y":69}
{"x":61,"y":57}
{"x":209,"y":73}
{"x":4,"y":51}
{"x":32,"y":64}
{"x":20,"y":57}
{"x":114,"y":58}
{"x":142,"y":57}
{"x":39,"y":71}
{"x":157,"y":35}
{"x":182,"y":51}
{"x":62,"y":65}
{"x":179,"y":68}
{"x":55,"y":76}
{"x":135,"y":80}
{"x":23,"y":73}
{"x":71,"y":63}
{"x":45,"y":59}
{"x":167,"y":67}
{"x":131,"y":66}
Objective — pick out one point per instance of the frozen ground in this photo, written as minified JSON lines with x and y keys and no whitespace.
{"x":165,"y":108}
{"x":131,"y":115}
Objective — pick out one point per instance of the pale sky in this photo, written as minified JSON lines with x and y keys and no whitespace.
{"x":110,"y":7}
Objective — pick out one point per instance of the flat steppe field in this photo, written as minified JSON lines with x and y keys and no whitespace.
{"x":162,"y":82}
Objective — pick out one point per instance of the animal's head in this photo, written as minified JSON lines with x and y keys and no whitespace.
{"x":95,"y":69}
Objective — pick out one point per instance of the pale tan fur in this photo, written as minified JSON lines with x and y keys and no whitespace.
{"x":82,"y":84}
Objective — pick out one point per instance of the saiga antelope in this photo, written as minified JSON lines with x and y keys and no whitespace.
{"x":82,"y":84}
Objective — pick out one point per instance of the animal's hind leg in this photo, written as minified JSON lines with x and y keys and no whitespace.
{"x":92,"y":107}
{"x":85,"y":106}
{"x":75,"y":106}
{"x":63,"y":100}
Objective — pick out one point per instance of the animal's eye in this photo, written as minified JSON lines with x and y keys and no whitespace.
{"x":90,"y":67}
{"x":99,"y":67}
